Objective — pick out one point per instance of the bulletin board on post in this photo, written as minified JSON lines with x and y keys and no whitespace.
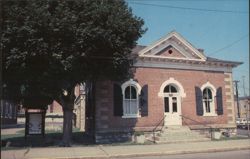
{"x":35,"y":122}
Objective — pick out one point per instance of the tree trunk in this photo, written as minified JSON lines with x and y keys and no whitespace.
{"x":67,"y":102}
{"x":67,"y":127}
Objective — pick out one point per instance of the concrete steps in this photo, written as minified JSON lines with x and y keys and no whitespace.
{"x":174,"y":134}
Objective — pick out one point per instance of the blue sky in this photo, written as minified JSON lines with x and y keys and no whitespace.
{"x":223,"y":33}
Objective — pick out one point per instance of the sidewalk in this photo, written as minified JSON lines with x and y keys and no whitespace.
{"x":125,"y":150}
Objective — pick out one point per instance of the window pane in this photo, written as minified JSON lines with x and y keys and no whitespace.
{"x":207,"y":93}
{"x":127,"y":93}
{"x":130,"y":93}
{"x":167,"y":89}
{"x":170,"y":89}
{"x":133,"y":107}
{"x":126,"y":107}
{"x":166,"y":101}
{"x":174,"y":107}
{"x":133,"y":92}
{"x":173,"y":89}
{"x":174,"y":102}
{"x":207,"y":106}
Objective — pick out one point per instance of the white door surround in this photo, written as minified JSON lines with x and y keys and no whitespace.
{"x":171,"y":93}
{"x":172,"y":109}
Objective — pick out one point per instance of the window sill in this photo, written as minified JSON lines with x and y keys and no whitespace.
{"x":131,"y":116}
{"x":211,"y":115}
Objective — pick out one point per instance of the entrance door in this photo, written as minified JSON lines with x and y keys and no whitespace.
{"x":172,"y":111}
{"x":172,"y":107}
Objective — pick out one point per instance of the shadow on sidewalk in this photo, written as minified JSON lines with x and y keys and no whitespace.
{"x":12,"y":126}
{"x":49,"y":140}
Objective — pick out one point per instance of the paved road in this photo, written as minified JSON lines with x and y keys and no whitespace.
{"x":243,"y":154}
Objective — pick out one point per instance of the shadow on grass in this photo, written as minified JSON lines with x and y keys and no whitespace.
{"x":49,"y":140}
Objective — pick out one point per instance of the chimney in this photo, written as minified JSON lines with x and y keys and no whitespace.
{"x":201,"y":50}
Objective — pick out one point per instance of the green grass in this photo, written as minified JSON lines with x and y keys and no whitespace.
{"x":129,"y":143}
{"x":3,"y":137}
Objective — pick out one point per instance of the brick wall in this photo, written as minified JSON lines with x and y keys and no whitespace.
{"x":105,"y":120}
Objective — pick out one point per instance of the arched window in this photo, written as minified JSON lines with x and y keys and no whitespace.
{"x":171,"y":86}
{"x":207,"y":100}
{"x":131,"y":91}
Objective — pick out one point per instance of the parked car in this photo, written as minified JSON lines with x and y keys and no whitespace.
{"x":242,"y":122}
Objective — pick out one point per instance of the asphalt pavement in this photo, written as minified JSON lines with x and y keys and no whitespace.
{"x":107,"y":151}
{"x":240,"y":154}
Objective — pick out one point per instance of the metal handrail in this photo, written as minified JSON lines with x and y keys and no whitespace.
{"x":157,"y":127}
{"x":205,"y":125}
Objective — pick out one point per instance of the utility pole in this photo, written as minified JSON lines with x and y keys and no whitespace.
{"x":237,"y":97}
{"x":243,"y":83}
{"x":248,"y":109}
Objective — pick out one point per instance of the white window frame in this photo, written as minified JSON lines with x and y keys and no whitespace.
{"x":138,"y":92}
{"x":212,"y":103}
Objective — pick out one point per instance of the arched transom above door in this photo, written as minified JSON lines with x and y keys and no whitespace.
{"x":171,"y":85}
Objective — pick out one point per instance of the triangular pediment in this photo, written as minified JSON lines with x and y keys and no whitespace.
{"x":170,"y":51}
{"x":173,"y":45}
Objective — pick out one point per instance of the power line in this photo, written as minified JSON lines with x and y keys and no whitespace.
{"x":189,"y":0}
{"x":188,"y":8}
{"x":229,"y":45}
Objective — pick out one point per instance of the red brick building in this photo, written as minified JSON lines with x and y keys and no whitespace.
{"x":55,"y":108}
{"x":174,"y":84}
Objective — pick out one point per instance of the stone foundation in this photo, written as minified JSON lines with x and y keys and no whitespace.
{"x":105,"y":138}
{"x":226,"y":132}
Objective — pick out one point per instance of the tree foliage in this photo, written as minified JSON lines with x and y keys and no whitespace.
{"x":51,"y":45}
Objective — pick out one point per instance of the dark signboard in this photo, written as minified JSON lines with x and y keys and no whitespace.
{"x":35,"y":123}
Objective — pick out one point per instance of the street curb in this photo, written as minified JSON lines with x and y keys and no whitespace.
{"x":156,"y":153}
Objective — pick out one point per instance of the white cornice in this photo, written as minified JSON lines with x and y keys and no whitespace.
{"x":188,"y":65}
{"x":165,"y":57}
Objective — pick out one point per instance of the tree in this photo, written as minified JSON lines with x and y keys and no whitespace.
{"x":51,"y":45}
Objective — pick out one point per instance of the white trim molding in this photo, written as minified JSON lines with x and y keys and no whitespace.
{"x":174,"y":82}
{"x":131,"y":82}
{"x":209,"y":85}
